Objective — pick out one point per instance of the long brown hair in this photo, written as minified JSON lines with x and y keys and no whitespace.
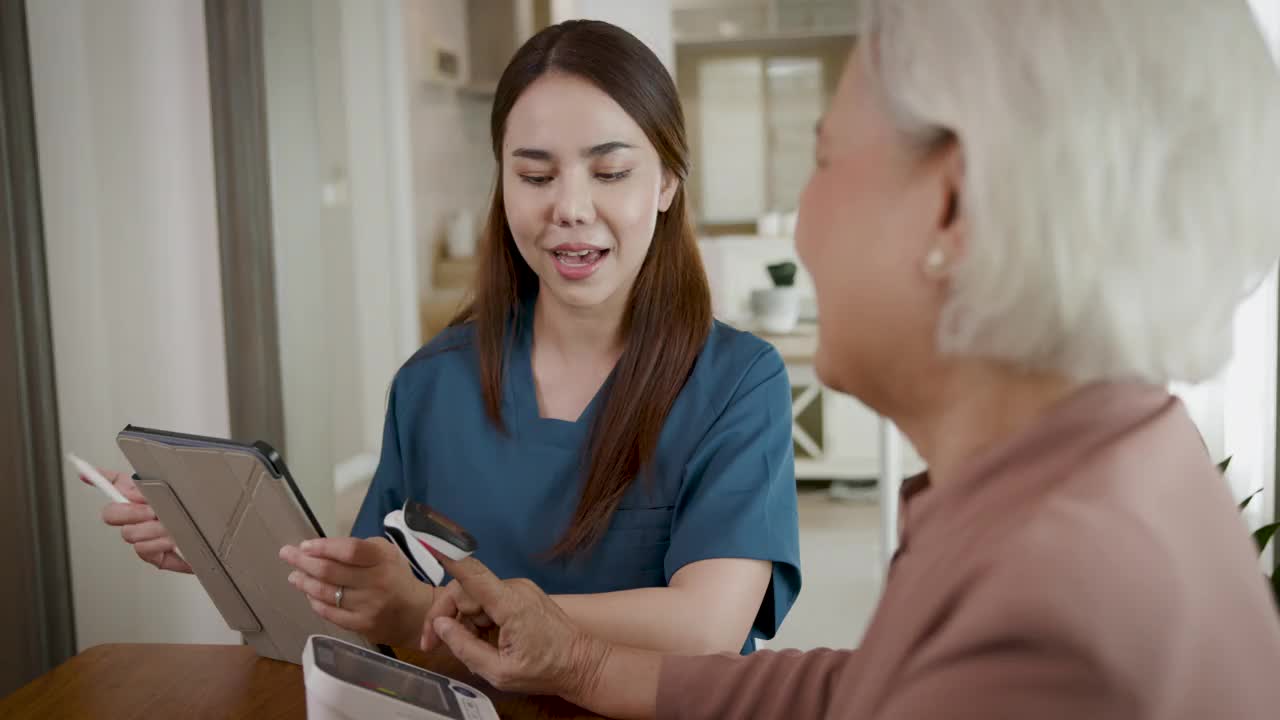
{"x":668,"y":317}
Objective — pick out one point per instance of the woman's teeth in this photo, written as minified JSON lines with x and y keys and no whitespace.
{"x":579,"y":257}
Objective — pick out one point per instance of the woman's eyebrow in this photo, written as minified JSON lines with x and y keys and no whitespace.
{"x":531,"y":154}
{"x":594,"y":151}
{"x":605,"y":148}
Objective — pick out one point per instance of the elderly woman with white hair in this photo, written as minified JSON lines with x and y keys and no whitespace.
{"x":1028,"y":218}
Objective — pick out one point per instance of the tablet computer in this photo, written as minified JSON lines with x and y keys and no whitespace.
{"x":230,"y":507}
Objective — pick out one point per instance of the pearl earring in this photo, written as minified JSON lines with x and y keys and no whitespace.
{"x":935,"y":262}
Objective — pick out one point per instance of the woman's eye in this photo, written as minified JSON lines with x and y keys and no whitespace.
{"x":536,"y":179}
{"x":612,"y":177}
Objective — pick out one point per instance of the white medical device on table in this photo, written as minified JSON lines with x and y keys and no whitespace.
{"x":348,"y":682}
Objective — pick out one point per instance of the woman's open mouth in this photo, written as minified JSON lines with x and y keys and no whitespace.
{"x":578,"y":263}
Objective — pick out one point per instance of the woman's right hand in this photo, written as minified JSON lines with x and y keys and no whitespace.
{"x":139,"y":526}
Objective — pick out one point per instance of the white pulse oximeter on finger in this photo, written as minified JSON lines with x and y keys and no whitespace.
{"x":417,"y":529}
{"x":347,"y":682}
{"x":425,"y":567}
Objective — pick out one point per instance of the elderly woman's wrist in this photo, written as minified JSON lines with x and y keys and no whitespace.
{"x":589,"y":658}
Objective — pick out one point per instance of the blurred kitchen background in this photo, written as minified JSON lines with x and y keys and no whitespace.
{"x":382,"y":170}
{"x":376,"y":169}
{"x":754,"y":78}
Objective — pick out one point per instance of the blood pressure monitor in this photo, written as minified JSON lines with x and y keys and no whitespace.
{"x":347,"y":682}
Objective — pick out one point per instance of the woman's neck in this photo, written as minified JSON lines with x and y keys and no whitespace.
{"x":571,"y":332}
{"x":975,"y":406}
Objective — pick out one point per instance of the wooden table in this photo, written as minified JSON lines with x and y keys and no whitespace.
{"x":154,"y":682}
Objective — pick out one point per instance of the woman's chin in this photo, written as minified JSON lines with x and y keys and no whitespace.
{"x":578,"y":294}
{"x":826,"y":369}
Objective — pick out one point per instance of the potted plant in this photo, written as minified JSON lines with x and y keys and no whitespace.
{"x":777,"y":309}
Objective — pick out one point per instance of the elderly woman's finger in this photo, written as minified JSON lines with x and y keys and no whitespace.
{"x":479,"y":656}
{"x":466,"y":604}
{"x":445,"y":605}
{"x":471,"y":627}
{"x":480,"y":584}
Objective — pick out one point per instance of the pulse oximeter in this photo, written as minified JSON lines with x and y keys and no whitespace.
{"x":417,"y":529}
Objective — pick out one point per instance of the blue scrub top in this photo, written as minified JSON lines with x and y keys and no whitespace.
{"x":724,"y":485}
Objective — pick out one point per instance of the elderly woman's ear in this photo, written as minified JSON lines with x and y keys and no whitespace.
{"x":951,"y":224}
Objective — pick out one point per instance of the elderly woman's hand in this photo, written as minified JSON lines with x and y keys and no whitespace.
{"x":538,"y":649}
{"x":452,"y":601}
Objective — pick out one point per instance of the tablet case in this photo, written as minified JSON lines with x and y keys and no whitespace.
{"x":230,"y":507}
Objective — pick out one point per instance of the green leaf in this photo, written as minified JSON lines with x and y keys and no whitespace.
{"x":783,"y":273}
{"x":1263,"y":535}
{"x":1245,"y":502}
{"x":1222,"y":466}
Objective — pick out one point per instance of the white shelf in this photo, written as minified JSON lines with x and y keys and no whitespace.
{"x":849,"y":445}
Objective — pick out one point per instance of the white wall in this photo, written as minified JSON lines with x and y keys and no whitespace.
{"x":1268,"y":14}
{"x":649,"y":20}
{"x":124,"y":142}
{"x":1249,"y":412}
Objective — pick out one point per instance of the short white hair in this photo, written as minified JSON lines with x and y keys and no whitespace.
{"x":1122,"y":173}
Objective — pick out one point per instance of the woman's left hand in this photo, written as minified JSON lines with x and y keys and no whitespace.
{"x":538,"y":648}
{"x":380,"y":597}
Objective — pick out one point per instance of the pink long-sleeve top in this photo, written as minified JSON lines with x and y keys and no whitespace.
{"x":1095,"y":566}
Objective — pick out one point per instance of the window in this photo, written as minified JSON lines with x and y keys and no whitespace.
{"x":752,"y":109}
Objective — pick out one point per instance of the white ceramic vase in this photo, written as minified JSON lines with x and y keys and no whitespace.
{"x":776,"y":309}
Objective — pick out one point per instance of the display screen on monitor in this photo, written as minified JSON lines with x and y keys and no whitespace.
{"x":374,"y":672}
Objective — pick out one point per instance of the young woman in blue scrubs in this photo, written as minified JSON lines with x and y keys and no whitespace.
{"x":585,"y":418}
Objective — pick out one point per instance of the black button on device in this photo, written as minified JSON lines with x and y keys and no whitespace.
{"x":464,"y":692}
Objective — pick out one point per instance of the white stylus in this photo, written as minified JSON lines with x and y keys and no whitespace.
{"x":95,"y":477}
